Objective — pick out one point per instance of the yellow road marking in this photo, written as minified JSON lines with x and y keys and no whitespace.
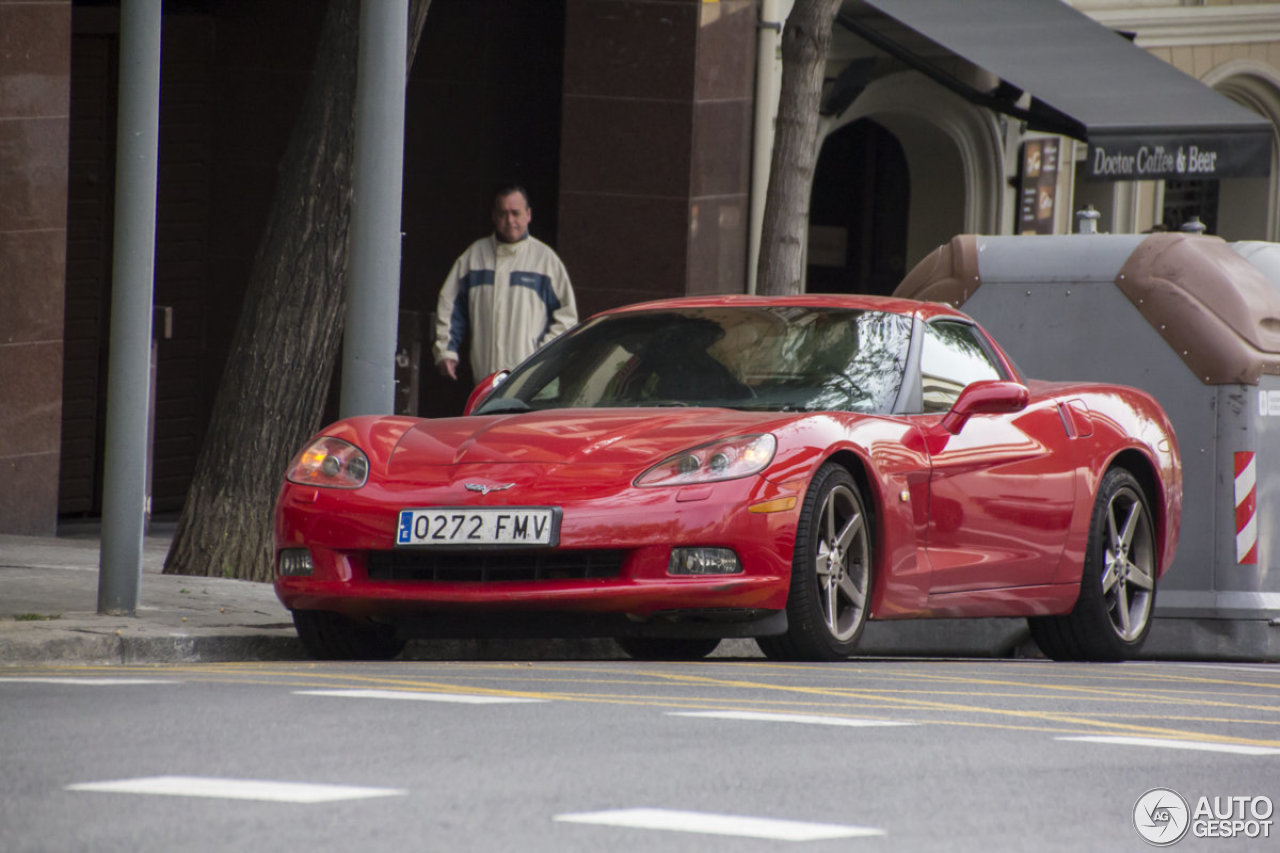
{"x":847,"y":698}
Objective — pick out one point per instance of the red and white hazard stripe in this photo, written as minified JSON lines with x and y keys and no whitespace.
{"x":1246,"y":506}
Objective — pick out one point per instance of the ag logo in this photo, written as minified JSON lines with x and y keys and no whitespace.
{"x":1161,"y":817}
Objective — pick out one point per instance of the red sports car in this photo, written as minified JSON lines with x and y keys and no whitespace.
{"x":677,"y":472}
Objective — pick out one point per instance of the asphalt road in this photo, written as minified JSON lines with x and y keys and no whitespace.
{"x":875,"y":755}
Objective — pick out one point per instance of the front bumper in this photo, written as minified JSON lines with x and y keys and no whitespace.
{"x":342,"y":530}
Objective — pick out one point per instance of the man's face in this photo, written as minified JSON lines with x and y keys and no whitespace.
{"x":511,"y":216}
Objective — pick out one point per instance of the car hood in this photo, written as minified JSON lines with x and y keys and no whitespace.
{"x":622,"y":437}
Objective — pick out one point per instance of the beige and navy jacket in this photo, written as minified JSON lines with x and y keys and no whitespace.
{"x":503,"y":300}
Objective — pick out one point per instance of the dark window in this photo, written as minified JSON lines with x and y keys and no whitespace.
{"x":1185,"y":199}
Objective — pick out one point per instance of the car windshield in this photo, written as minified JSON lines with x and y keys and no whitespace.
{"x":768,"y":358}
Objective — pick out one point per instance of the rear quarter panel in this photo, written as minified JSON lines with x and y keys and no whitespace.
{"x":1127,"y":427}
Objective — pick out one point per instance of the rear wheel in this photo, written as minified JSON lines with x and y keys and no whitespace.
{"x":830,"y":573}
{"x":668,"y":648}
{"x":1112,"y":616}
{"x":332,"y":636}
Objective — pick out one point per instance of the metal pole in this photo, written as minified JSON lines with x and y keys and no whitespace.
{"x":132,"y":279}
{"x":373,"y":284}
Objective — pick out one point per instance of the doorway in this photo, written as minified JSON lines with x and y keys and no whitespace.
{"x":858,"y":212}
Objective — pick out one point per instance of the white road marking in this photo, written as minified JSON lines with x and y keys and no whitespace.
{"x":1166,"y":743}
{"x":237,"y":789}
{"x":90,"y":682}
{"x":465,"y":698}
{"x":720,"y":824}
{"x":809,"y":719}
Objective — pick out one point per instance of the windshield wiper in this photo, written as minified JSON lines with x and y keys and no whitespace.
{"x":762,"y":407}
{"x":504,"y":406}
{"x":640,"y":404}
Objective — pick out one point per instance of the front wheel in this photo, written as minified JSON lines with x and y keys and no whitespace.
{"x":830,"y":573}
{"x":1112,"y":616}
{"x":332,"y":636}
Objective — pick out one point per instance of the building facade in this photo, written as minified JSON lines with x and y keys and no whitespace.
{"x":641,"y":127}
{"x":940,"y":164}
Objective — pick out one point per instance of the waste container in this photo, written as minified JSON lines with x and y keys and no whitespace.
{"x":1195,"y":321}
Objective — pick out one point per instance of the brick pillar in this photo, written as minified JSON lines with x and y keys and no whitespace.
{"x":655,"y":148}
{"x":35,"y":75}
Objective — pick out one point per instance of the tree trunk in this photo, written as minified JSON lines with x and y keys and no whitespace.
{"x":806,"y":41}
{"x":278,"y":372}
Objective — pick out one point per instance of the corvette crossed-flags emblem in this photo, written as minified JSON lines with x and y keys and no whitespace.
{"x":484,"y":489}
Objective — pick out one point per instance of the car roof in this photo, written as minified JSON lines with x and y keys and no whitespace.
{"x":890,"y":304}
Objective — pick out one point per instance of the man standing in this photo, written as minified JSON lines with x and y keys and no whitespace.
{"x":506,"y":295}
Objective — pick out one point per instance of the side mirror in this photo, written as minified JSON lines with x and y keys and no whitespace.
{"x":988,"y":397}
{"x":484,"y":389}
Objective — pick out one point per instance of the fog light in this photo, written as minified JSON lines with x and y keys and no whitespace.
{"x":295,"y":561}
{"x":703,"y":561}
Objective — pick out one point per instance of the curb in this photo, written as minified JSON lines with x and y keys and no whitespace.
{"x":121,"y":649}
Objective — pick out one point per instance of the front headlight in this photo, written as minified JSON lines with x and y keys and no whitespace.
{"x":330,"y":462}
{"x":726,"y":459}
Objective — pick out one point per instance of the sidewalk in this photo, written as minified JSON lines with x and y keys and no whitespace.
{"x":49,"y":602}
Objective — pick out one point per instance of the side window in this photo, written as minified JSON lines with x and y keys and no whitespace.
{"x":954,"y":355}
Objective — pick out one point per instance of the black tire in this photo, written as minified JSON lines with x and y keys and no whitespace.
{"x":332,"y":636}
{"x":1112,"y":616}
{"x":668,"y":648}
{"x":827,"y":602}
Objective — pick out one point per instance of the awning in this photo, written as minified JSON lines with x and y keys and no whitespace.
{"x":1143,"y":118}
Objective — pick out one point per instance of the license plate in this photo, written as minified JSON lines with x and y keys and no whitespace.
{"x":458,"y":526}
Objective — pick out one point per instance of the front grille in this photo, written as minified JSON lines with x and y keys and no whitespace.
{"x":493,"y":566}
